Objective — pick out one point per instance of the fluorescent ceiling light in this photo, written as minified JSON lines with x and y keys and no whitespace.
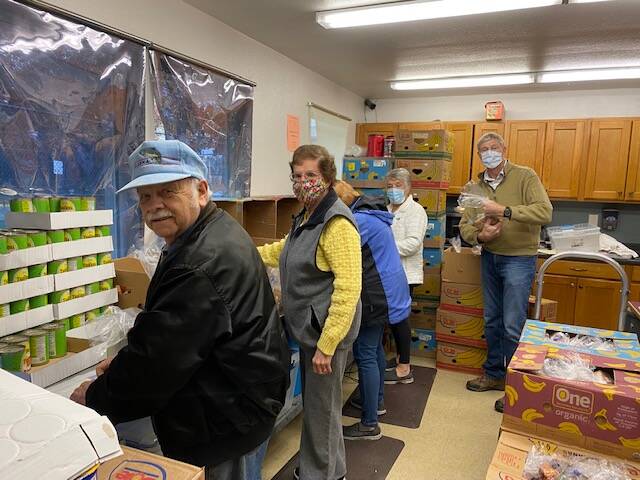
{"x":591,"y":74}
{"x":464,"y":82}
{"x":588,"y":1}
{"x":421,"y":10}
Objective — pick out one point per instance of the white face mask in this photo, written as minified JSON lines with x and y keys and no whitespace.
{"x":491,"y":158}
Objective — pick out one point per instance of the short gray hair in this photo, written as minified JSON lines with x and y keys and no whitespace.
{"x":400,"y":174}
{"x":487,"y":137}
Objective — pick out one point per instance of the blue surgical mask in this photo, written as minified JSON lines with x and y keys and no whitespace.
{"x":491,"y":158}
{"x":396,"y":196}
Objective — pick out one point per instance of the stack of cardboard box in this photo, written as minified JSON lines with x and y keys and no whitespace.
{"x":367,"y":174}
{"x":596,"y":416}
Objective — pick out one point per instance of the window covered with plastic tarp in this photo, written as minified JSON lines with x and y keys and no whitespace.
{"x":209,"y":112}
{"x":71,"y":110}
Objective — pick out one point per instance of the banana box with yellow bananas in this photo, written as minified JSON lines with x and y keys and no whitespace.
{"x":602,"y":414}
{"x":433,"y":201}
{"x":621,"y":345}
{"x":427,"y":172}
{"x":460,"y":328}
{"x":460,"y":358}
{"x":511,"y":454}
{"x":461,"y":298}
{"x":430,"y":288}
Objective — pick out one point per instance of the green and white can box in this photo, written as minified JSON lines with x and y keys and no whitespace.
{"x":87,"y":204}
{"x":57,"y":266}
{"x":55,"y":236}
{"x":37,"y":271}
{"x":11,"y":357}
{"x":89,"y":261}
{"x":37,"y":237}
{"x":18,"y":275}
{"x":92,"y":315}
{"x":103,"y":231}
{"x":57,"y":338}
{"x":3,"y":244}
{"x":87,"y":232}
{"x":74,"y":263}
{"x":17,"y":241}
{"x":23,"y":341}
{"x":71,"y":234}
{"x":92,"y":288}
{"x":54,"y":204}
{"x":19,"y":306}
{"x":77,"y":321}
{"x":5,"y":310}
{"x":4,"y":278}
{"x":106,"y":284}
{"x":38,"y":302}
{"x":70,"y":204}
{"x":39,"y":346}
{"x":78,"y":292}
{"x":21,"y":205}
{"x":104,"y":258}
{"x":60,"y":296}
{"x":42,"y":204}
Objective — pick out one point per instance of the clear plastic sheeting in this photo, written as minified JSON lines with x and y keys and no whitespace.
{"x":575,"y":368}
{"x":209,"y":112}
{"x":149,"y":254}
{"x":71,"y":110}
{"x":111,"y":328}
{"x":588,"y":342}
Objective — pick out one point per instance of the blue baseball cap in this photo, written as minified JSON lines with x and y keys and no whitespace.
{"x":163,"y":161}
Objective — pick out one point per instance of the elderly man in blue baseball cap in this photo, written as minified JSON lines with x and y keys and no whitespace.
{"x":207,"y":358}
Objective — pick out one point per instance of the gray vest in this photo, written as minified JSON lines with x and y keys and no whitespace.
{"x":307,"y":290}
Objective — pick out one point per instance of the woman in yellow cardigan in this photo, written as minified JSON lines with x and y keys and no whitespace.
{"x":320,"y":265}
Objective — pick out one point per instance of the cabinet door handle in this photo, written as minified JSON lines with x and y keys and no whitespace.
{"x":577,"y":269}
{"x":572,"y":284}
{"x":580,"y":286}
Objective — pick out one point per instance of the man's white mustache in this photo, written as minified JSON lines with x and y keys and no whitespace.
{"x":150,"y":217}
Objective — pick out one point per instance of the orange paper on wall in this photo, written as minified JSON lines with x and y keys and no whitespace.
{"x":293,"y":132}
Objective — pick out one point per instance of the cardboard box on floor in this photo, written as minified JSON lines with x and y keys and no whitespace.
{"x":548,"y":309}
{"x":463,"y":267}
{"x":460,"y":358}
{"x":511,"y":455}
{"x":133,"y":281}
{"x":136,"y":464}
{"x":423,"y":342}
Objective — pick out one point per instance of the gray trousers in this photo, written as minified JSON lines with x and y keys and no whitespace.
{"x":322,"y":455}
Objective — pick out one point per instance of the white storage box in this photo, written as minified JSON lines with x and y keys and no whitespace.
{"x":26,"y":257}
{"x":78,"y":248}
{"x":581,"y":237}
{"x":32,"y":287}
{"x":63,"y":281}
{"x":25,"y":320}
{"x":59,"y":220}
{"x":80,"y":305}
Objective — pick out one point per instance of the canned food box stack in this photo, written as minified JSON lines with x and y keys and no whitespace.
{"x":52,"y":204}
{"x":34,"y":347}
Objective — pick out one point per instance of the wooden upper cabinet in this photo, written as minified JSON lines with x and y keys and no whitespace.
{"x":420,"y":126}
{"x":363,"y":130}
{"x":462,"y":151}
{"x":607,"y":160}
{"x":563,"y":157}
{"x":480,"y":129}
{"x":525,"y":144}
{"x":632,"y":191}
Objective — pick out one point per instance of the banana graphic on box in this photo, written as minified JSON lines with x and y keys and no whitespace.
{"x":473,"y":328}
{"x":471,"y":299}
{"x":472,"y":357}
{"x":531,"y":385}
{"x":531,"y":415}
{"x":512,"y":395}
{"x":630,"y":442}
{"x":603,"y":422}
{"x":570,"y":428}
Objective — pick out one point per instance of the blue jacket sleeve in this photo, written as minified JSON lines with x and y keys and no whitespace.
{"x":362,"y":221}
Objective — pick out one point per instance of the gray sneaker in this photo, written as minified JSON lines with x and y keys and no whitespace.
{"x":392,"y":363}
{"x":358,"y":431}
{"x":485,"y":383}
{"x":391,"y":377}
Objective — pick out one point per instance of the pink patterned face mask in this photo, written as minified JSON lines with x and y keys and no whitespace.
{"x":309,"y":190}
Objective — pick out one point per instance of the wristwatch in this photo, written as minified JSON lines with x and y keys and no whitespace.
{"x":507,"y":213}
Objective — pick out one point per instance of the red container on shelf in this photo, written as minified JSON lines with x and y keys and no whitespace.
{"x":375,"y":146}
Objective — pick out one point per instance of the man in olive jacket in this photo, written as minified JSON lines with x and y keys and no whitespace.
{"x":207,"y":358}
{"x":517,"y":206}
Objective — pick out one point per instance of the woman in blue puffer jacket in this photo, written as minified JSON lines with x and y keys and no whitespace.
{"x":385,"y":298}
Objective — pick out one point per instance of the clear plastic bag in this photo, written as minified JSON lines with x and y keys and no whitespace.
{"x":149,"y":255}
{"x":582,"y":341}
{"x":473,"y":197}
{"x":574,"y":367}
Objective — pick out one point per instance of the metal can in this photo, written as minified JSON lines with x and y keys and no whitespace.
{"x":39,"y":345}
{"x":54,"y":204}
{"x":70,"y":204}
{"x":71,"y":234}
{"x":57,"y":338}
{"x":19,"y":306}
{"x":77,"y":321}
{"x":74,"y":263}
{"x":4,"y":278}
{"x":55,"y":236}
{"x":67,"y":324}
{"x":106,"y":284}
{"x":3,"y":244}
{"x":57,"y":266}
{"x":18,"y":274}
{"x":105,"y":310}
{"x":103,"y":231}
{"x":87,"y":204}
{"x":78,"y":292}
{"x":11,"y":357}
{"x":17,"y":241}
{"x":92,"y":288}
{"x":23,"y":341}
{"x":104,"y":258}
{"x":38,"y":238}
{"x":38,"y":302}
{"x":92,"y":315}
{"x":59,"y":296}
{"x":87,"y":232}
{"x":42,"y":204}
{"x":375,"y":145}
{"x":5,"y":310}
{"x":37,"y":271}
{"x":89,"y":261}
{"x":21,"y":205}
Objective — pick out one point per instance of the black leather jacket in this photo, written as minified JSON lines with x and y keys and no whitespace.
{"x":207,"y":359}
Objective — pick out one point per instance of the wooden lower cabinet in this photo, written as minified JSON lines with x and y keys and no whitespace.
{"x":563,"y":290}
{"x":634,"y":292}
{"x":597,"y":303}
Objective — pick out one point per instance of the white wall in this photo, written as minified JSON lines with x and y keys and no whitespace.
{"x":284,"y":86}
{"x":519,"y":106}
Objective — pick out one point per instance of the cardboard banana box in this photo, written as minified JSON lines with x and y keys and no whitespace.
{"x":461,"y":298}
{"x":461,"y":358}
{"x":460,"y":328}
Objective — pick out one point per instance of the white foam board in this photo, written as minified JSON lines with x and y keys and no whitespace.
{"x":26,"y":257}
{"x":59,"y":220}
{"x":25,"y":320}
{"x":63,"y":281}
{"x":78,"y":248}
{"x":44,"y":435}
{"x":84,"y":304}
{"x":26,"y":289}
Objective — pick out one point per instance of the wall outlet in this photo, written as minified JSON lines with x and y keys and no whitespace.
{"x":594,"y":219}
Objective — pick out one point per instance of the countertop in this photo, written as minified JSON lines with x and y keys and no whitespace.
{"x":620,"y":260}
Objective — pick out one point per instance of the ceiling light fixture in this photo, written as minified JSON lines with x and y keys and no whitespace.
{"x":421,"y":10}
{"x":588,"y":1}
{"x":464,"y":82}
{"x":622,"y":73}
